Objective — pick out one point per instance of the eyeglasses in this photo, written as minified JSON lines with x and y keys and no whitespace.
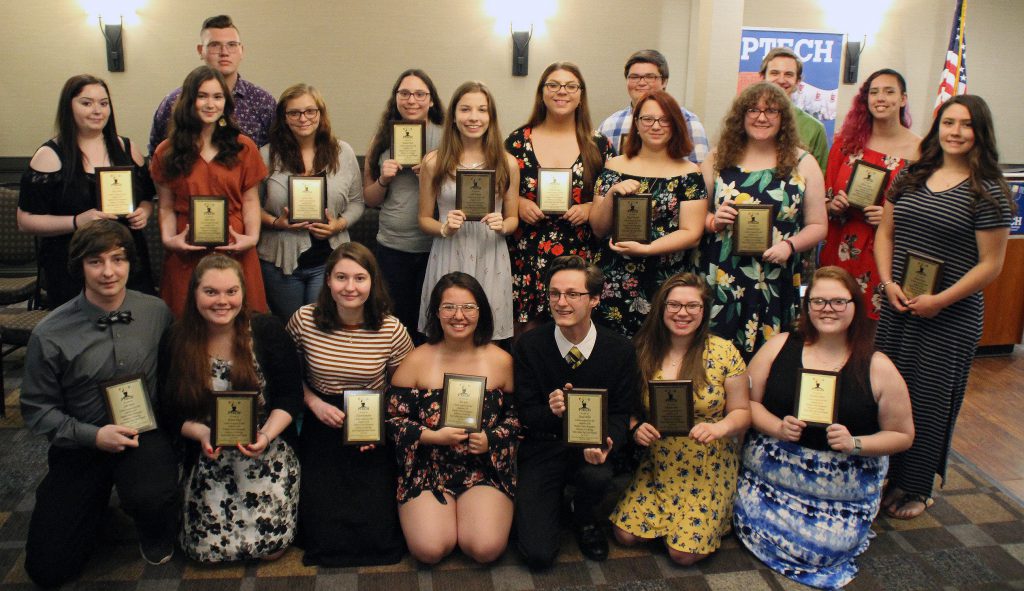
{"x":570,"y":87}
{"x":449,"y":310}
{"x":570,"y":296}
{"x":309,"y":113}
{"x":837,"y":304}
{"x":420,"y":95}
{"x":649,"y":120}
{"x":217,"y":46}
{"x":648,"y":78}
{"x":691,"y":307}
{"x":768,"y":113}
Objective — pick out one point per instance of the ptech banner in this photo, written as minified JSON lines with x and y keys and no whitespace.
{"x":822,"y":57}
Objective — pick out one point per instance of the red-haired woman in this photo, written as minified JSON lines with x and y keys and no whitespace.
{"x":653,"y":161}
{"x":876,"y":131}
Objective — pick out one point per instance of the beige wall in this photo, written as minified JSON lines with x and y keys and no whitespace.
{"x":352,"y":50}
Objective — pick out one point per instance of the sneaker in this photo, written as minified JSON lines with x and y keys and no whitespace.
{"x":156,"y":553}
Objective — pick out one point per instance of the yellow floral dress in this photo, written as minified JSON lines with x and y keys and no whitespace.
{"x":683,"y":490}
{"x":752,"y":300}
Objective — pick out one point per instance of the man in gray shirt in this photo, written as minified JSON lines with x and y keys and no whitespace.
{"x":106,"y":335}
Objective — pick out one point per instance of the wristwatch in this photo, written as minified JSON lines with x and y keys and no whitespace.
{"x":880,"y":288}
{"x":856,"y":446}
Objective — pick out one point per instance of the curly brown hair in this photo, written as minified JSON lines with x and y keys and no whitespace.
{"x":732,"y":143}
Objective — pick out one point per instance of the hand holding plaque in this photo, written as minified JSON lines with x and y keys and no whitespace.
{"x":307,"y":199}
{"x":114,"y":190}
{"x":752,"y":230}
{"x":462,"y":401}
{"x":128,"y":403}
{"x":585,"y":422}
{"x":408,"y":142}
{"x":867,"y":184}
{"x":474,"y":193}
{"x":233,"y":418}
{"x":208,"y":220}
{"x":631,"y":218}
{"x":921,"y":274}
{"x":816,"y":395}
{"x":671,"y":406}
{"x":554,"y":190}
{"x":364,"y":417}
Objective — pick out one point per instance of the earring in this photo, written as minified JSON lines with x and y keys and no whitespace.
{"x":223,"y":122}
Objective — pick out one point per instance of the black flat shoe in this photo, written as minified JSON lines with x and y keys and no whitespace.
{"x":592,"y":542}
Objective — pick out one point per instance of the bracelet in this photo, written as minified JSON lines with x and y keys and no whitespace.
{"x":383,"y":186}
{"x":881,"y":287}
{"x":258,"y":433}
{"x":790,"y":243}
{"x":632,"y":432}
{"x":74,"y":222}
{"x":444,"y":226}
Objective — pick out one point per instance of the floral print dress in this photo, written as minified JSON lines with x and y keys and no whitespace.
{"x":451,"y":469}
{"x":851,"y":239}
{"x":236,"y":507}
{"x":683,"y":490}
{"x":630,"y":282}
{"x":533,"y":246}
{"x":751,"y":301}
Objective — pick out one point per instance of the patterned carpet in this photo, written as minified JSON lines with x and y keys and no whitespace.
{"x":973,"y":538}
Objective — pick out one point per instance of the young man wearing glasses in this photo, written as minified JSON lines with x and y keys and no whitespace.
{"x":783,"y":68}
{"x":569,"y":352}
{"x":221,"y":48}
{"x":647,"y":71}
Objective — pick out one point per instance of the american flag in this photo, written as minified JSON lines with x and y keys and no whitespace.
{"x":954,"y":74}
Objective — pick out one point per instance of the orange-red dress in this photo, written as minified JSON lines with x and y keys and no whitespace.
{"x":211,"y":178}
{"x":850,"y":243}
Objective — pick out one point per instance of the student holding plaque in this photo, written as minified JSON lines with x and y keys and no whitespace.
{"x":455,"y":487}
{"x":758,"y":160}
{"x":952,"y":205}
{"x":348,"y":341}
{"x":402,"y":248}
{"x":471,"y":140}
{"x":653,"y":162}
{"x":683,"y":490}
{"x":553,"y":216}
{"x":207,"y":155}
{"x":876,"y":131}
{"x":570,"y":352}
{"x":798,"y":480}
{"x":107,"y":335}
{"x":241,"y":502}
{"x":303,"y":152}
{"x":60,"y":190}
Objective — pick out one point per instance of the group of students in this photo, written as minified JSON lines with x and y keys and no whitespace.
{"x":693,"y":307}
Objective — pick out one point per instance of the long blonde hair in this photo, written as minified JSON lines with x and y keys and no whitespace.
{"x":449,"y":151}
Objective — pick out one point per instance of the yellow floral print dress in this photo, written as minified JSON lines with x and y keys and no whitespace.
{"x":683,"y":490}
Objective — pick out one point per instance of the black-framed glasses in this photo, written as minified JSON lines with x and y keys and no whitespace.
{"x":648,"y":78}
{"x":420,"y":95}
{"x":570,"y":87}
{"x":837,"y":304}
{"x":295,"y":114}
{"x":570,"y":296}
{"x":754,"y":113}
{"x":449,"y":310}
{"x":691,"y":307}
{"x":230,"y":46}
{"x":648,"y":121}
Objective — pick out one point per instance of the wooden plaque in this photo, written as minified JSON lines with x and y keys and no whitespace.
{"x":128,"y":403}
{"x":631,"y":219}
{"x":307,"y":199}
{"x":752,"y":231}
{"x":474,"y":193}
{"x":585,"y":423}
{"x":364,"y":417}
{"x":921,"y":274}
{"x":408,"y":142}
{"x":867,"y":184}
{"x":816,"y":395}
{"x":462,"y":402}
{"x":208,"y":220}
{"x":671,"y":404}
{"x":233,"y":418}
{"x":114,"y":190}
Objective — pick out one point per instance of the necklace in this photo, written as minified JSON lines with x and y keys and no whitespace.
{"x":835,"y":364}
{"x":471,"y":165}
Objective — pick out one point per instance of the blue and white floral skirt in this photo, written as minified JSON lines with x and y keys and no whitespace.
{"x":807,"y":513}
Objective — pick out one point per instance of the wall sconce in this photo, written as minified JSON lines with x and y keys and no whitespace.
{"x":521,"y":51}
{"x":115,"y":46}
{"x":853,"y":51}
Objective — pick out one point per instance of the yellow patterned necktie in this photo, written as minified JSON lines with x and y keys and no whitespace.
{"x":574,"y":358}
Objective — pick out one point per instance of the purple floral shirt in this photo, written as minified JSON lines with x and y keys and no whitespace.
{"x":254,"y":111}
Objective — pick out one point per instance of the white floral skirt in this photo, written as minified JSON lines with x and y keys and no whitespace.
{"x":239,"y":508}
